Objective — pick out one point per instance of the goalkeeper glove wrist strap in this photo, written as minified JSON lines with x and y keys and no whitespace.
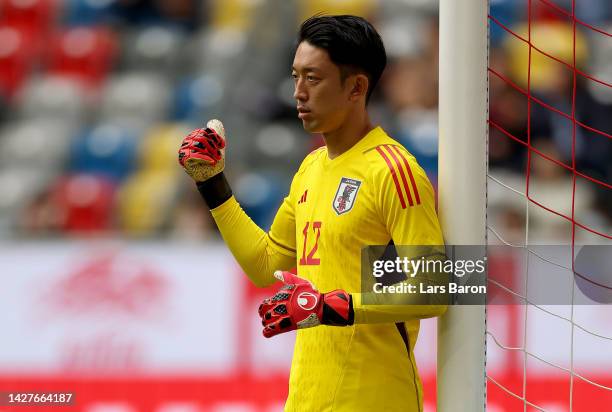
{"x":215,"y":191}
{"x":336,"y":310}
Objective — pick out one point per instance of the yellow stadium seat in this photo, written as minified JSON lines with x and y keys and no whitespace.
{"x":363,"y":8}
{"x":159,"y":149}
{"x":553,"y":38}
{"x":232,"y":14}
{"x":145,"y":201}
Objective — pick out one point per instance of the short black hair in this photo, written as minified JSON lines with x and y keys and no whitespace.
{"x":352,"y":43}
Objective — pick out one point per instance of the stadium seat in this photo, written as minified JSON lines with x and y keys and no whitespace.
{"x":88,"y":12}
{"x":39,"y":144}
{"x":602,"y":69}
{"x":260,"y":195}
{"x":135,"y":99}
{"x":355,"y":7}
{"x":84,"y":203}
{"x":197,"y":99}
{"x":37,"y":16}
{"x":87,"y":54}
{"x":108,"y":150}
{"x":144,"y":202}
{"x":158,"y":150}
{"x":419,"y":134}
{"x":17,"y":53}
{"x":211,"y":50}
{"x":553,"y":38}
{"x":279,"y":144}
{"x":155,"y":48}
{"x":18,"y":187}
{"x":506,"y":12}
{"x":234,"y":14}
{"x":54,"y":97}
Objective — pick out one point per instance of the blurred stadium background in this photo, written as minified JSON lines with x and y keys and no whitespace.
{"x":115,"y":281}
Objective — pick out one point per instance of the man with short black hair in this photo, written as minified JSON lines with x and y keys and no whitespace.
{"x":362,"y":188}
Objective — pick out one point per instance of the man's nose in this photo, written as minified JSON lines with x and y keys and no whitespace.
{"x":299,"y":92}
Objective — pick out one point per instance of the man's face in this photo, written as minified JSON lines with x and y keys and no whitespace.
{"x":322,"y":98}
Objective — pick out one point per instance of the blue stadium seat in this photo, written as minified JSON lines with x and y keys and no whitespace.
{"x":197,"y":98}
{"x":88,"y":12}
{"x":107,"y":150}
{"x":508,"y":13}
{"x":419,"y":134}
{"x":260,"y":194}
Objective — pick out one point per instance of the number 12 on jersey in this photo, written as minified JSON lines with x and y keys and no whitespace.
{"x":310,"y":259}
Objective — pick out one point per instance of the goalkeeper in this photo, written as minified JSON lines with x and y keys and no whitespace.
{"x":362,"y":188}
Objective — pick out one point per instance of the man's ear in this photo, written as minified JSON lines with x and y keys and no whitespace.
{"x":360,"y":83}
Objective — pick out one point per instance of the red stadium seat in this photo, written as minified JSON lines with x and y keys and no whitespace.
{"x":17,"y":53}
{"x":84,"y":53}
{"x":84,"y":203}
{"x":35,"y":15}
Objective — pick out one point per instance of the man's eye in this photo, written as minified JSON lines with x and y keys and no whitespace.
{"x":311,"y":78}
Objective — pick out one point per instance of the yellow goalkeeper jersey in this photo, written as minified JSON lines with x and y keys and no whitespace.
{"x":372,"y":194}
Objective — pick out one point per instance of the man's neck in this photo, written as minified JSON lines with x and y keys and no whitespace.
{"x":342,"y":139}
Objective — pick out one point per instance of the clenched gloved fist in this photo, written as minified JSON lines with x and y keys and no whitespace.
{"x":299,"y":305}
{"x":202,"y":153}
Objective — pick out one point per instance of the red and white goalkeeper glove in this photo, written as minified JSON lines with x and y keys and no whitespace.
{"x":202,"y":152}
{"x":299,"y":305}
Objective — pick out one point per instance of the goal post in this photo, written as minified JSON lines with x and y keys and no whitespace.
{"x":462,"y":177}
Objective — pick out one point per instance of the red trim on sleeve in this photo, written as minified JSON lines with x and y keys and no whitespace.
{"x":394,"y":175}
{"x":399,"y":166}
{"x":414,"y":186}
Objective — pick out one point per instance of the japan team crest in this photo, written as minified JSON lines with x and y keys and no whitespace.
{"x":346,"y":195}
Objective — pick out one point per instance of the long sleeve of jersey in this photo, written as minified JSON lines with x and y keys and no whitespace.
{"x":258,"y":253}
{"x":406,"y":206}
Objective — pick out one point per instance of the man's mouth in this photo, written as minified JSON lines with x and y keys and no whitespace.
{"x":303,"y":112}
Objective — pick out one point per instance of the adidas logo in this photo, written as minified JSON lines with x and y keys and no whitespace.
{"x":303,"y":198}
